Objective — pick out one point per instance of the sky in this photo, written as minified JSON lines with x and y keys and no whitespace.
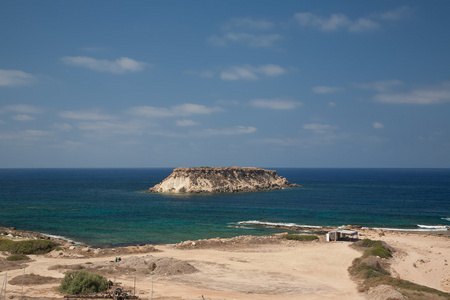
{"x":326,"y":84}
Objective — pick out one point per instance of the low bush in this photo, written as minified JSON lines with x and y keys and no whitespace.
{"x":380,"y":251}
{"x":27,"y":247}
{"x":368,"y":267}
{"x":82,"y":282}
{"x":368,"y":243}
{"x":297,"y":237}
{"x":371,"y":269}
{"x":16,"y":257}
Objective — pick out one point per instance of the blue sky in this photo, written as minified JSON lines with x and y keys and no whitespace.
{"x":221,"y":83}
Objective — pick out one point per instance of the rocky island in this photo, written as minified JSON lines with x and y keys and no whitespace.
{"x":221,"y":180}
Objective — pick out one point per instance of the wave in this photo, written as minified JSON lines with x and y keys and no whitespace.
{"x":422,"y":229}
{"x":446,"y":219}
{"x":60,"y":237}
{"x":241,"y":227}
{"x":433,"y":227}
{"x":272,"y":224}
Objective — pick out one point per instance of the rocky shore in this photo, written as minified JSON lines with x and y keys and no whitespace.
{"x":221,"y":180}
{"x":243,"y":267}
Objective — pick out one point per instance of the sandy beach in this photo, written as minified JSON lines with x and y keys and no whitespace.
{"x":246,"y":267}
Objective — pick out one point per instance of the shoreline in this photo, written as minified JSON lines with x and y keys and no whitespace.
{"x":242,"y":267}
{"x":295,"y":228}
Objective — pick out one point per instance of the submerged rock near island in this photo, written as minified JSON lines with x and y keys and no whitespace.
{"x":221,"y":180}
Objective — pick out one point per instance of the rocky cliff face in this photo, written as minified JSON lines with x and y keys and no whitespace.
{"x":220,"y":180}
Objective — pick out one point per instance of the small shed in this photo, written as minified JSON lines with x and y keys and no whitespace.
{"x":342,"y":234}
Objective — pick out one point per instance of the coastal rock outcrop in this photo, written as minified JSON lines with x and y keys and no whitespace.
{"x":220,"y":180}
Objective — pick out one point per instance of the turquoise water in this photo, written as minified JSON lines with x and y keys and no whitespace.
{"x":102,"y":207}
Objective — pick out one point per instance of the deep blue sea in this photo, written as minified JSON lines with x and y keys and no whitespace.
{"x":103,"y":207}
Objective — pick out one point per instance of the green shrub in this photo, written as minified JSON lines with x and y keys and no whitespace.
{"x":27,"y":247}
{"x":82,"y":282}
{"x":365,"y":268}
{"x":16,"y":257}
{"x":368,"y":243}
{"x":380,"y":251}
{"x":58,"y":248}
{"x":297,"y":237}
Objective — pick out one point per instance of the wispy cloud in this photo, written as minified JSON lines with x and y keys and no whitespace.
{"x":245,"y":31}
{"x":380,"y":85}
{"x":279,"y":104}
{"x":118,"y":66}
{"x":186,"y":123}
{"x":436,"y":94}
{"x":248,"y":72}
{"x":247,"y":24}
{"x":399,"y":13}
{"x":21,"y":109}
{"x":178,"y":110}
{"x":249,"y":39}
{"x":339,"y":21}
{"x":319,"y":127}
{"x":107,"y":128}
{"x":377,"y":125}
{"x":327,"y":89}
{"x":91,"y":115}
{"x":237,"y":130}
{"x":15,"y":78}
{"x":335,"y":22}
{"x":23,"y":117}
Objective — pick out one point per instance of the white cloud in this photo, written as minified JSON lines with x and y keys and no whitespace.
{"x":113,"y":127}
{"x":247,"y":32}
{"x":186,"y":123}
{"x":319,"y":128}
{"x":247,"y":24}
{"x":249,"y":39}
{"x":333,"y":22}
{"x":339,"y":21}
{"x":439,"y":93}
{"x":397,"y":14}
{"x":37,"y":133}
{"x":363,"y":24}
{"x":15,"y":78}
{"x":237,"y":130}
{"x":378,"y":125}
{"x":248,"y":72}
{"x":279,"y":104}
{"x":326,"y":89}
{"x":22,"y":117}
{"x":62,"y":126}
{"x":380,"y":85}
{"x":118,"y":66}
{"x":85,"y":115}
{"x":178,"y":110}
{"x":21,"y":109}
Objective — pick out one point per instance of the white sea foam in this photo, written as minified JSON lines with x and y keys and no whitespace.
{"x":446,"y":219}
{"x":254,"y":222}
{"x":432,"y":227}
{"x":58,"y":237}
{"x":427,"y":228}
{"x":242,"y":227}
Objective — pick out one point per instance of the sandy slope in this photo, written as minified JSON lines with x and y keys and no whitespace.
{"x":276,"y":270}
{"x":303,"y":270}
{"x":420,"y":258}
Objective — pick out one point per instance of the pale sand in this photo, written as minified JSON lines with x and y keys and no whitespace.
{"x":421,"y":258}
{"x":300,"y":270}
{"x":313,"y":270}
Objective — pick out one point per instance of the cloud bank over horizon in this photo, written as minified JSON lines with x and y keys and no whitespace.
{"x":293,"y":85}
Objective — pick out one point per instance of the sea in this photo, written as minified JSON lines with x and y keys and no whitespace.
{"x":106,"y":207}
